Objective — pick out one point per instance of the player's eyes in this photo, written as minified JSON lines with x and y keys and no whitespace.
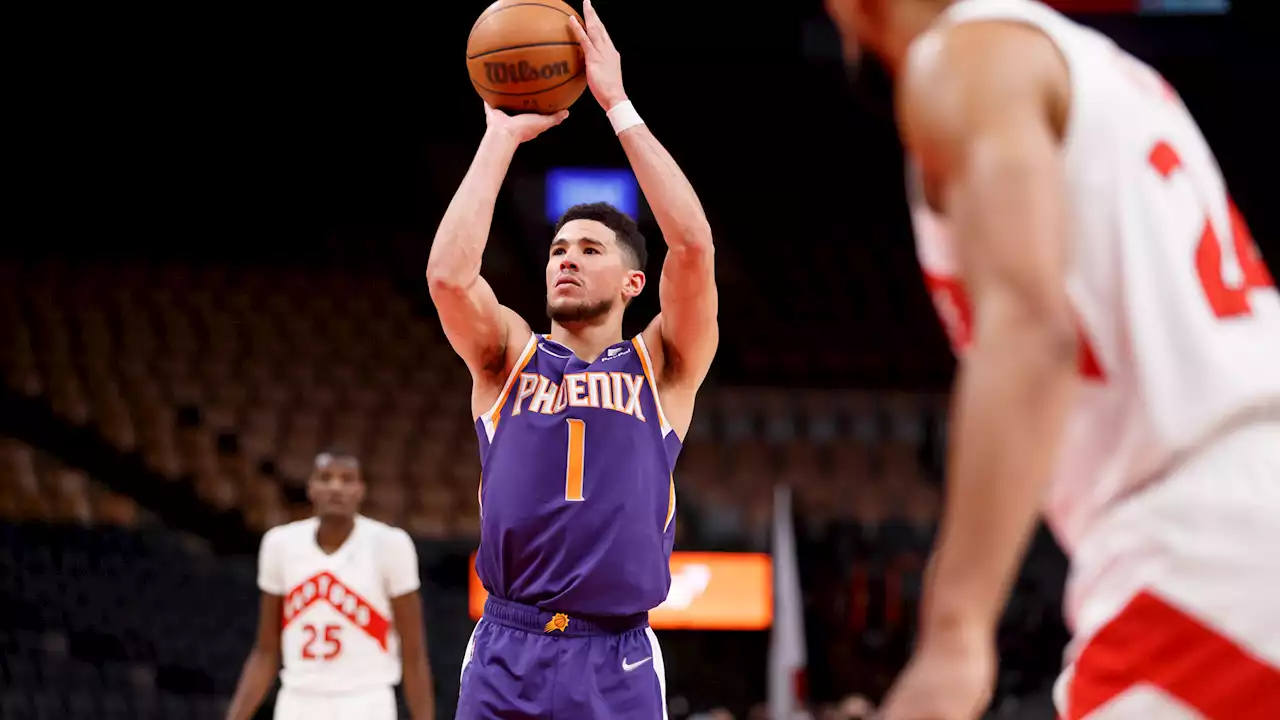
{"x":557,"y":251}
{"x":591,"y":251}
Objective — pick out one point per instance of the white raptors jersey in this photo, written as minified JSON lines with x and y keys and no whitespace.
{"x":1179,"y":320}
{"x":337,"y":632}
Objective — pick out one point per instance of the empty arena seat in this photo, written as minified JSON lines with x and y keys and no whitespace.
{"x":233,"y":378}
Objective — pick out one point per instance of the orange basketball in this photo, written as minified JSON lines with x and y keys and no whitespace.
{"x":523,"y":57}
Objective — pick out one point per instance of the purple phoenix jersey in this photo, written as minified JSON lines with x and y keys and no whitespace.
{"x":577,"y":500}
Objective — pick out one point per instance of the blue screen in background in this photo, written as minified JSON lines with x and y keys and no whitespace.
{"x":567,"y":187}
{"x":1184,"y":7}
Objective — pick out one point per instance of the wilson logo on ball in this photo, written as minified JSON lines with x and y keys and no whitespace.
{"x":524,"y":71}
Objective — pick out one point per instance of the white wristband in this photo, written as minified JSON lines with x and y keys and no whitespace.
{"x":623,"y":116}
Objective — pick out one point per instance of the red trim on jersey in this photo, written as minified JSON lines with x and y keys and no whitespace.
{"x":1087,"y":359}
{"x":951,"y":300}
{"x":1153,"y":643}
{"x":327,"y":587}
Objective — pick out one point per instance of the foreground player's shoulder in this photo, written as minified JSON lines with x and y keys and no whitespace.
{"x":965,"y":80}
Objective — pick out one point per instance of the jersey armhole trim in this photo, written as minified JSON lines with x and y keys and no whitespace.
{"x":646,"y":362}
{"x":671,"y":502}
{"x":491,"y":416}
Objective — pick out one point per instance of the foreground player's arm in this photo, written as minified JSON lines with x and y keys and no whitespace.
{"x":263,"y":663}
{"x":687,"y":325}
{"x":478,"y":327}
{"x":979,"y":111}
{"x":685,"y":334}
{"x":403,"y":585}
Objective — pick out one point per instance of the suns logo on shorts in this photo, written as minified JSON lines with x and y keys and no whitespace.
{"x":559,"y":621}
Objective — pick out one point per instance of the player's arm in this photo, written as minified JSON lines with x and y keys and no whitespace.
{"x":483,"y":332}
{"x":478,"y":327}
{"x":403,"y":586}
{"x":687,"y":328}
{"x":260,"y":669}
{"x":685,"y":334}
{"x":418,"y":691}
{"x":980,"y":108}
{"x":263,"y":663}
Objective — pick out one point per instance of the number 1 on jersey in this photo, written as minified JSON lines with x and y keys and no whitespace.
{"x":577,"y":448}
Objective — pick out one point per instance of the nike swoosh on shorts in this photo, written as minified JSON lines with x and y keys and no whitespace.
{"x":628,"y":667}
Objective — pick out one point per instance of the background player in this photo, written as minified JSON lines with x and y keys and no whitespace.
{"x":1119,"y":334}
{"x":340,"y":604}
{"x":579,"y":429}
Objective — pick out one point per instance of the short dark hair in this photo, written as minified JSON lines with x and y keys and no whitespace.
{"x":623,"y":227}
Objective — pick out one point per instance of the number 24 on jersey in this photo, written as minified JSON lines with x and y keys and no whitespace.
{"x":1227,"y":299}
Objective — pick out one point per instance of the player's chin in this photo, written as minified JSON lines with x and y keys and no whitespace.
{"x":569,"y":309}
{"x":337,"y":508}
{"x":563,"y":301}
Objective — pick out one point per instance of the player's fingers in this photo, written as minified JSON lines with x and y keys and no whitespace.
{"x":603,"y":41}
{"x":599,"y":32}
{"x":581,"y":34}
{"x":545,"y":122}
{"x":593,"y":20}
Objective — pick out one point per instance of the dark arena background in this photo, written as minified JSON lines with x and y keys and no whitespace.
{"x":215,"y":269}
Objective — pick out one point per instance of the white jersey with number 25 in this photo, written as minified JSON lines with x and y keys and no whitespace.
{"x":1179,"y":319}
{"x":337,"y":633}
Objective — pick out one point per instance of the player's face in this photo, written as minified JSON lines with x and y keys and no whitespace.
{"x":336,"y":489}
{"x":588,"y":273}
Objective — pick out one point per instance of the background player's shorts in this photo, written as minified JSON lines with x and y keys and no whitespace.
{"x":1174,"y":595}
{"x":374,"y":704}
{"x":519,"y":665}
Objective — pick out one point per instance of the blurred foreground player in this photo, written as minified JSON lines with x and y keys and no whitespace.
{"x":1120,"y":344}
{"x":340,"y":605}
{"x":577,"y":450}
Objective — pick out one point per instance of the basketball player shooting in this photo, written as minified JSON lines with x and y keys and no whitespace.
{"x":340,"y":605}
{"x":1119,"y":339}
{"x":579,"y":429}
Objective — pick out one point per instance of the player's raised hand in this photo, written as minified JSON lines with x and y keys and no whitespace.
{"x":604,"y":65}
{"x":948,"y":678}
{"x":523,"y":127}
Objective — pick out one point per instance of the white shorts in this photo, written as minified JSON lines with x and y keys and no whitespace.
{"x":376,"y":704}
{"x":1174,"y":595}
